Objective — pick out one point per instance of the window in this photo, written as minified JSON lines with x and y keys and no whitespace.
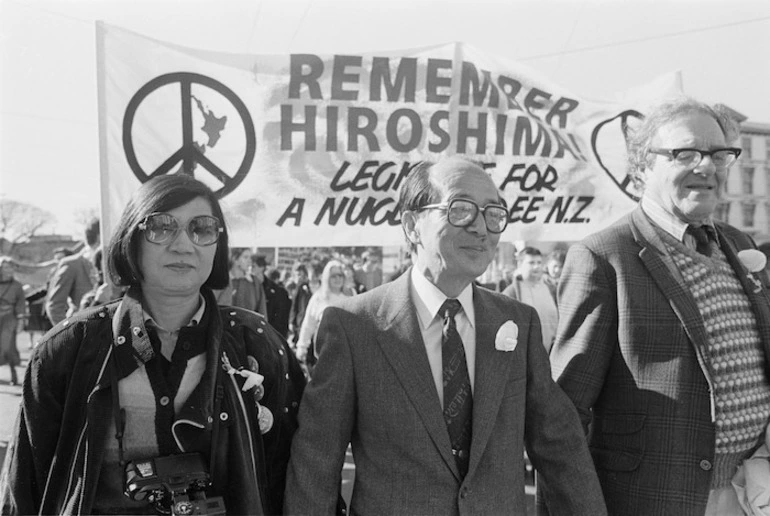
{"x":747,"y":178}
{"x":746,"y":146}
{"x":723,"y":212}
{"x":748,"y":214}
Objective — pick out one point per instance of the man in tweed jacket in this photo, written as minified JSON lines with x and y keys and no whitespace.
{"x":664,"y":341}
{"x":378,"y":380}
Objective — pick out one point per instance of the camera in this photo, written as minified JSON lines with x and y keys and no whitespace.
{"x":174,"y":484}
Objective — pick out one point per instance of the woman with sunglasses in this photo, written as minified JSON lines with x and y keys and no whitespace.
{"x":329,"y":294}
{"x":161,"y":391}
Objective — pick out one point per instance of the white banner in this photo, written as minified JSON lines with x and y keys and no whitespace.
{"x":309,"y":150}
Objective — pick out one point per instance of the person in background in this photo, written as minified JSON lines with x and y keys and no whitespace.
{"x":529,"y":288}
{"x":351,"y":287}
{"x":74,"y":277}
{"x":277,"y":299}
{"x":553,"y":266}
{"x":369,"y":274}
{"x":329,"y":293}
{"x":438,"y":383}
{"x":162,"y":375}
{"x":300,"y":300}
{"x":664,"y":333}
{"x":244,"y":290}
{"x":13,"y":313}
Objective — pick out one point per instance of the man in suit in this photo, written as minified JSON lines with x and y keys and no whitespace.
{"x":438,"y":383}
{"x":664,"y":337}
{"x":75,"y":276}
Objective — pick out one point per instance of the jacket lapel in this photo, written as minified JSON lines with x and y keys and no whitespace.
{"x":664,"y":272}
{"x":491,"y":373}
{"x":401,"y":341}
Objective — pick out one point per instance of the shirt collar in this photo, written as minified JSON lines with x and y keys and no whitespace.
{"x":428,"y":299}
{"x":668,"y":222}
{"x":194,"y":320}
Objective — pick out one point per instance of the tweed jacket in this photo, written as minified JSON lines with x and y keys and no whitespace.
{"x":372,"y":386}
{"x":630,"y":353}
{"x":59,"y":438}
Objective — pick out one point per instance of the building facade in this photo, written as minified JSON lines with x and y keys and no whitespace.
{"x":747,"y":198}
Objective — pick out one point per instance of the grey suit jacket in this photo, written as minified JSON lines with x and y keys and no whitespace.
{"x":630,"y":353}
{"x":373,"y":387}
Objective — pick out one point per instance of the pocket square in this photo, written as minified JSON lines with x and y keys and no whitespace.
{"x":507,"y":337}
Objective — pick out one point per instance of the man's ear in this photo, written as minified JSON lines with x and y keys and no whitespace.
{"x":409,"y":225}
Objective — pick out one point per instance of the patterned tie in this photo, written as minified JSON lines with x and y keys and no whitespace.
{"x":703,"y":235}
{"x":458,"y":402}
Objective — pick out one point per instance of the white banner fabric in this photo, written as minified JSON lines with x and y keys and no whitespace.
{"x":309,"y":150}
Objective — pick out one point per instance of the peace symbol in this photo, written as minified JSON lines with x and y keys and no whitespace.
{"x":189,"y":154}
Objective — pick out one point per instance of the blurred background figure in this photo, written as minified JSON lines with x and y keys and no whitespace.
{"x":244,"y":290}
{"x":329,"y":293}
{"x":553,"y":266}
{"x":74,"y":277}
{"x":529,"y":288}
{"x":13,"y":312}
{"x":351,"y":287}
{"x":369,"y":274}
{"x":299,"y":301}
{"x":276,"y":297}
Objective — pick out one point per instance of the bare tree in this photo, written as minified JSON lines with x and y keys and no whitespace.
{"x":19,"y":221}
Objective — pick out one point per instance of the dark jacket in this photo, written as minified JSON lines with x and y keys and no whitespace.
{"x":56,"y":450}
{"x":278,"y":306}
{"x":298,"y":307}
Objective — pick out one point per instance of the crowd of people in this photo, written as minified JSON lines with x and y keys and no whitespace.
{"x":632,"y":369}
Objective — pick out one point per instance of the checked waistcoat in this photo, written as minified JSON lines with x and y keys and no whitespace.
{"x":458,"y":401}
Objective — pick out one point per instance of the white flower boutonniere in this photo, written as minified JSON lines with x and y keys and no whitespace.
{"x":507,"y":337}
{"x":754,"y":261}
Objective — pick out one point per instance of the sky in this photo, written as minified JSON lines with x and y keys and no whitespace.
{"x":49,"y":142}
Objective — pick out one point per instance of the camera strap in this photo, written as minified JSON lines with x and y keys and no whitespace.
{"x":119,"y":413}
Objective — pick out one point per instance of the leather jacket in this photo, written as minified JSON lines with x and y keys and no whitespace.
{"x":58,"y":442}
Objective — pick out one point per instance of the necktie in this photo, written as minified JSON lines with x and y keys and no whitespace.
{"x":458,"y":402}
{"x":703,"y":235}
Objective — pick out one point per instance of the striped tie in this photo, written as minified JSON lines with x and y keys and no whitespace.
{"x":458,"y":401}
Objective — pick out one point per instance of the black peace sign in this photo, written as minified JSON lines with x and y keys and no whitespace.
{"x":189,"y":154}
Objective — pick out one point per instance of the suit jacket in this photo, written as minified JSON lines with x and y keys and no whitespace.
{"x":630,"y":353}
{"x":74,"y":277}
{"x":373,"y":386}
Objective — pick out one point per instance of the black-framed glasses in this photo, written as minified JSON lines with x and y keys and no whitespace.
{"x":162,"y":228}
{"x":721,"y":158}
{"x":461,"y":213}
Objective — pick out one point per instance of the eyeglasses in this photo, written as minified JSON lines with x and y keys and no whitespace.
{"x":461,"y":213}
{"x":163,"y":228}
{"x":336,"y":275}
{"x":721,"y":158}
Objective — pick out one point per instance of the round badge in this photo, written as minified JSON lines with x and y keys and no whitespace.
{"x":265,"y":418}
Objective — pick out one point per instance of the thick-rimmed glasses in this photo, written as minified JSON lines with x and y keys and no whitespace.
{"x":461,"y":213}
{"x":721,"y":158}
{"x":162,"y":228}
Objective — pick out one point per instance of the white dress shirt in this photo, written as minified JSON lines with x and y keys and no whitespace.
{"x":427,"y":298}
